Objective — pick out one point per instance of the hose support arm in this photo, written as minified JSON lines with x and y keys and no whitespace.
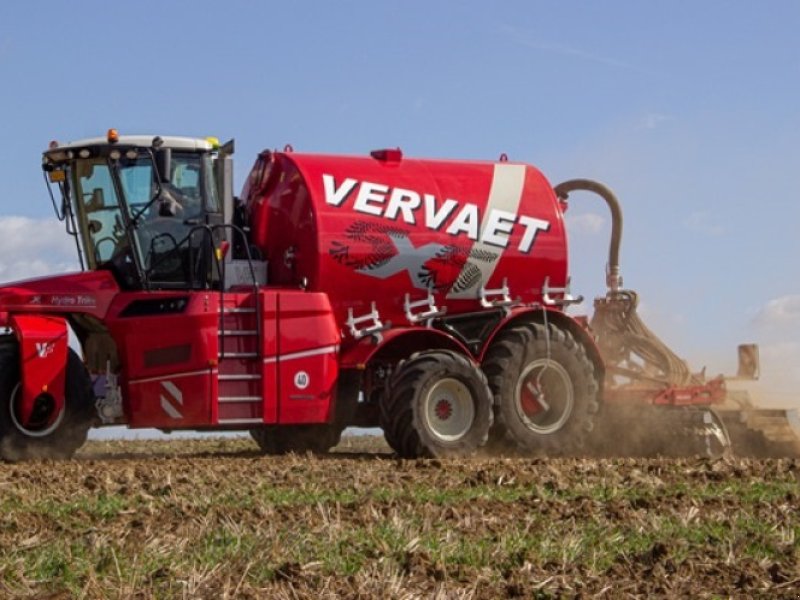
{"x":562,"y":190}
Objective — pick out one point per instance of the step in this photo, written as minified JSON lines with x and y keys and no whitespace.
{"x":238,"y":421}
{"x":239,"y":389}
{"x":244,"y":411}
{"x":238,"y":310}
{"x":228,"y":354}
{"x":239,"y":366}
{"x":239,"y":377}
{"x":242,"y":399}
{"x":238,"y":346}
{"x":234,"y":322}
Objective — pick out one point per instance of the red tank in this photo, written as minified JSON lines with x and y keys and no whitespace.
{"x":373,"y":229}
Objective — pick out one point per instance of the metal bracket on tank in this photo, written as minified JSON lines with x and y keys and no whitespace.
{"x":497,"y":298}
{"x":430,"y":310}
{"x":566,"y":298}
{"x":372,"y":317}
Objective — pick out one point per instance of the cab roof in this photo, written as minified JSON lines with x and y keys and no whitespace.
{"x":144,"y":141}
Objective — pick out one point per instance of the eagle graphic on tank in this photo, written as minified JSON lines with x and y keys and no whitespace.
{"x":382,"y":251}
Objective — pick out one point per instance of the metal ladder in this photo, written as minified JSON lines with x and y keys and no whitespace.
{"x":240,"y":368}
{"x":240,"y":389}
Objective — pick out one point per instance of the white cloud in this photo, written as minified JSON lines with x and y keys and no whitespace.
{"x":701,"y":222}
{"x":34,"y":247}
{"x":585,"y":223}
{"x":780,"y":312}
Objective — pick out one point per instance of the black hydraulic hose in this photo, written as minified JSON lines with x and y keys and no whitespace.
{"x":562,"y":190}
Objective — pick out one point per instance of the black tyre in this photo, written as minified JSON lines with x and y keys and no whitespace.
{"x":318,"y":439}
{"x":436,"y":404}
{"x":283,"y":439}
{"x":545,"y":389}
{"x":46,"y":436}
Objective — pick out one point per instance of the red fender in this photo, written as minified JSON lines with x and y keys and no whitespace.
{"x":399,"y":343}
{"x":43,"y":346}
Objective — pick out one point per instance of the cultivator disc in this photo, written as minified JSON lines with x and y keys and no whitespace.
{"x":653,"y":431}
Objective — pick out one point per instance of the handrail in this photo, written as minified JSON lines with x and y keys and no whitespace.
{"x":208,"y":241}
{"x":220,"y":265}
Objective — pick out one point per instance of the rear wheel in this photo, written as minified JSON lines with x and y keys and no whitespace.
{"x":436,"y":404}
{"x":46,"y":434}
{"x":544,"y":387}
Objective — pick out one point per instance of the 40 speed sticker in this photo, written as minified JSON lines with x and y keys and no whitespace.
{"x":301,"y":380}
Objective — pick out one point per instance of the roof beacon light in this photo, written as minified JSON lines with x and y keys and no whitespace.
{"x":112,"y":136}
{"x":213,"y":141}
{"x":387,"y":154}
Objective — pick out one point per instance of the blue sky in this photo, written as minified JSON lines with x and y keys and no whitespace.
{"x":689,"y":110}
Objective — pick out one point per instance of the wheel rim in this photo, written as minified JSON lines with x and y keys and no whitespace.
{"x":544,"y":397}
{"x":41,"y":422}
{"x":449,"y":409}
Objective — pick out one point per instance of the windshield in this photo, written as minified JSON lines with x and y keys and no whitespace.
{"x":190,"y":179}
{"x":99,"y":208}
{"x":161,"y":246}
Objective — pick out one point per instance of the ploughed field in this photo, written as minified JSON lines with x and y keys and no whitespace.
{"x":214,"y":519}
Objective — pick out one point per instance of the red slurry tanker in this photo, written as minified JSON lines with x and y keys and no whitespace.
{"x":424,"y":297}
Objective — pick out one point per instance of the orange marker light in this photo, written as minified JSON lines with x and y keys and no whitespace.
{"x":112,"y":136}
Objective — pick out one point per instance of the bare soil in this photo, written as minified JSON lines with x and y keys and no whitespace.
{"x":214,"y":519}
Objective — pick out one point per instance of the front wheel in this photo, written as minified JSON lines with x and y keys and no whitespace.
{"x":283,"y":439}
{"x":46,"y":435}
{"x":545,"y":388}
{"x":436,"y":404}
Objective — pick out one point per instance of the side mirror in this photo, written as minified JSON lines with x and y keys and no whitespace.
{"x":164,"y":163}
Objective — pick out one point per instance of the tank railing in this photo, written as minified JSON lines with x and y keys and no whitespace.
{"x":373,"y":330}
{"x":219,"y":262}
{"x":566,"y":297}
{"x":428,"y":314}
{"x":497,"y":298}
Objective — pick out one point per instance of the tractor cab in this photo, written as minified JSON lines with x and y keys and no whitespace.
{"x":146,"y":208}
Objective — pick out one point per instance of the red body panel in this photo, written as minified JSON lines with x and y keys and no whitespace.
{"x":35,"y":309}
{"x":307,"y":365}
{"x":88,"y":293}
{"x":365,"y":230}
{"x":43,"y":357}
{"x":168,"y":359}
